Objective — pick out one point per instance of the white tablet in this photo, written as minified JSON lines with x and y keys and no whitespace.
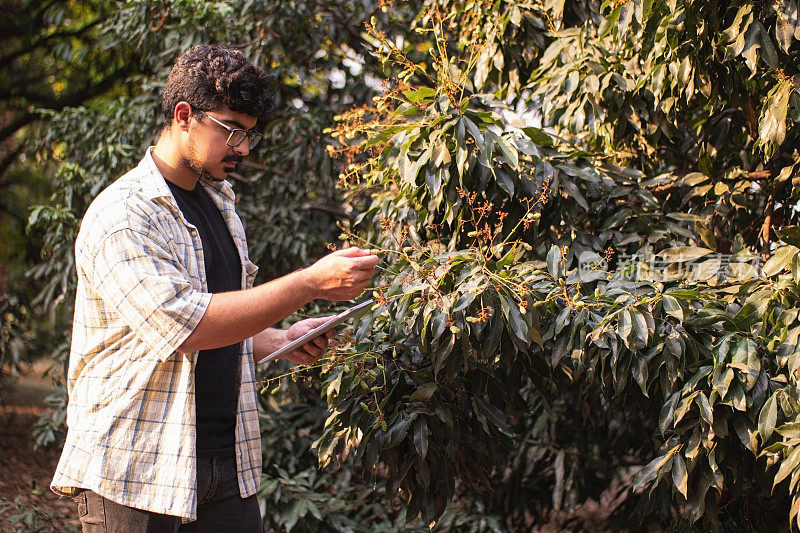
{"x":316,"y":332}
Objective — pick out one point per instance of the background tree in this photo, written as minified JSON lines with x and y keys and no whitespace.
{"x":52,"y":56}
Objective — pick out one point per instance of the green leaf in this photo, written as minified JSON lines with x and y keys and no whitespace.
{"x":787,"y":466}
{"x":732,"y":32}
{"x":625,"y":326}
{"x":772,"y":124}
{"x":572,"y":190}
{"x":681,"y":254}
{"x":705,"y":409}
{"x":492,"y":413}
{"x":555,"y":262}
{"x":398,"y":432}
{"x":443,"y":413}
{"x":609,"y":22}
{"x":667,"y":415}
{"x":702,"y":372}
{"x":433,"y":179}
{"x":752,"y":45}
{"x":422,"y":93}
{"x":408,"y":171}
{"x":640,"y":374}
{"x":746,"y":317}
{"x":745,"y":432}
{"x":790,"y":430}
{"x":505,"y":182}
{"x":786,"y":25}
{"x":684,"y":406}
{"x":423,"y":392}
{"x":672,"y":307}
{"x":441,"y":156}
{"x":695,"y":505}
{"x":768,"y":417}
{"x":461,"y":159}
{"x":464,"y":301}
{"x":795,"y":509}
{"x":687,"y":294}
{"x":538,"y":136}
{"x":706,"y":234}
{"x":509,"y":154}
{"x":789,"y":235}
{"x":780,"y":260}
{"x":693,"y":179}
{"x":421,"y":434}
{"x":562,"y":320}
{"x":651,"y":470}
{"x":641,"y":333}
{"x":679,"y":475}
{"x":768,"y":52}
{"x":516,"y":324}
{"x":475,"y":132}
{"x":736,"y":396}
{"x":723,"y":376}
{"x":673,"y":344}
{"x":692,"y":449}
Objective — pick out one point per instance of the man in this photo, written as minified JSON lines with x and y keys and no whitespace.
{"x":162,"y":416}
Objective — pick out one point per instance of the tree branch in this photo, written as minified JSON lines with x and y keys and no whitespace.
{"x":16,"y":124}
{"x":667,"y":188}
{"x":6,"y":60}
{"x":8,"y":159}
{"x":760,"y":175}
{"x":767,"y":225}
{"x":80,"y":96}
{"x":255,"y":165}
{"x":357,"y":42}
{"x":17,"y":30}
{"x":338,"y":212}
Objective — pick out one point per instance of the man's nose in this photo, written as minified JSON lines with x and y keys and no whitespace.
{"x":242,"y":149}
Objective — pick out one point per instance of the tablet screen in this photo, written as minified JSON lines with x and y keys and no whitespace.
{"x":316,"y":332}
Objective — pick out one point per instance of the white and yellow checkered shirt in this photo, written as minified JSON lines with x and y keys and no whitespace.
{"x":141,"y":291}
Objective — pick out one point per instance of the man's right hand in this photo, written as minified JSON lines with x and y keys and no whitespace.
{"x":343,"y":274}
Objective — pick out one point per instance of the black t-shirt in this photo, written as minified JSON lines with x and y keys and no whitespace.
{"x":217,"y":370}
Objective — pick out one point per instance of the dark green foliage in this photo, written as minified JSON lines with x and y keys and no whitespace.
{"x":658,"y":128}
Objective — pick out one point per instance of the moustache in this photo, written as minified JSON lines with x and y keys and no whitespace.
{"x":233,"y":159}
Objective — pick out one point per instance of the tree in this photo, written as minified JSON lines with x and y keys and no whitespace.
{"x":538,"y":141}
{"x":52,"y":56}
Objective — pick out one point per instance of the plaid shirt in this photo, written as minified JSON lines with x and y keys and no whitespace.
{"x":141,"y":292}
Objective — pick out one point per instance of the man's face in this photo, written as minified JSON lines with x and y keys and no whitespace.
{"x":207,"y":153}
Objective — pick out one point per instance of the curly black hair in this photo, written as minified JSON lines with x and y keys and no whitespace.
{"x":210,"y":77}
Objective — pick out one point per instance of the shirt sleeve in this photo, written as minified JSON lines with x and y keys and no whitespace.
{"x":137,"y":276}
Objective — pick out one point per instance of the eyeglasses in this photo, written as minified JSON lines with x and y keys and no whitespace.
{"x":237,"y":135}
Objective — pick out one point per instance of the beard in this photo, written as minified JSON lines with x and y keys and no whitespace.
{"x":193,"y":162}
{"x":197,"y":168}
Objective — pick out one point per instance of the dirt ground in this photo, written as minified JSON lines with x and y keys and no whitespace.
{"x":25,"y":473}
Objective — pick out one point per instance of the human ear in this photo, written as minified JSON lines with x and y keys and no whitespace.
{"x":183,"y":111}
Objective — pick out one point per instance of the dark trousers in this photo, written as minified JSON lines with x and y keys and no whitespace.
{"x":220,"y":507}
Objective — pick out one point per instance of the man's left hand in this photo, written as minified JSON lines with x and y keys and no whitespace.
{"x":309,"y":353}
